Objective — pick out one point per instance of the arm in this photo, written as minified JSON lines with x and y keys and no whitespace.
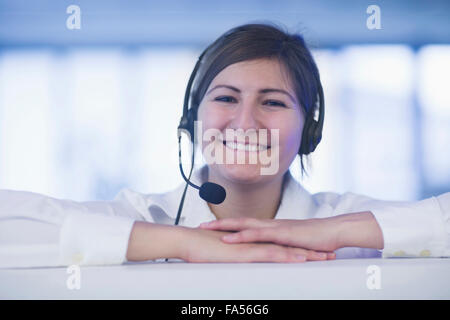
{"x":149,"y":241}
{"x":39,"y":231}
{"x":143,"y":234}
{"x":401,"y":229}
{"x":358,"y":229}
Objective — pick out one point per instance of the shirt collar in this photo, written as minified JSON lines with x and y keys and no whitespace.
{"x":195,"y":210}
{"x":296,"y":201}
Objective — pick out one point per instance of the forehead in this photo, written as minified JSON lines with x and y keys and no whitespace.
{"x":254,"y":74}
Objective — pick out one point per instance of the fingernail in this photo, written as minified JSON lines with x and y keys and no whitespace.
{"x":204,"y":224}
{"x":300,"y":258}
{"x":321,"y":255}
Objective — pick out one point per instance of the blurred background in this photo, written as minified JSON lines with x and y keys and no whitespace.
{"x":91,"y":106}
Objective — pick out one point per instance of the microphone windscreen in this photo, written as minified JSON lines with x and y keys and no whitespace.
{"x":212,"y":192}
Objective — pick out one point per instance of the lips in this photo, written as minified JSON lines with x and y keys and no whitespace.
{"x":234,"y":145}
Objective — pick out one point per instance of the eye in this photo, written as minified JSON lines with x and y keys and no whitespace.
{"x":275,"y":103}
{"x":224,"y":99}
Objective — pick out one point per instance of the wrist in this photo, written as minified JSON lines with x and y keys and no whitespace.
{"x":174,"y":239}
{"x":359,"y":229}
{"x":149,"y":241}
{"x":186,"y":242}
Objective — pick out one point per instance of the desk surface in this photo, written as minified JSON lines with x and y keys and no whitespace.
{"x":338,"y":279}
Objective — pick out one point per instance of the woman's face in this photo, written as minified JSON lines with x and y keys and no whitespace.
{"x":251,"y":95}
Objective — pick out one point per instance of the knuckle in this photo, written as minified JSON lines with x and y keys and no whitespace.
{"x":269,"y":234}
{"x":256,"y":233}
{"x":263,"y":232}
{"x":275,"y":253}
{"x":269,"y":252}
{"x":249,"y":221}
{"x":220,"y":222}
{"x":247,"y":234}
{"x":303,"y":252}
{"x":299,"y":252}
{"x":310,"y":254}
{"x":238,"y":236}
{"x":233,"y":222}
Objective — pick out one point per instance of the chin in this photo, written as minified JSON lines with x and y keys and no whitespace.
{"x":241,"y":173}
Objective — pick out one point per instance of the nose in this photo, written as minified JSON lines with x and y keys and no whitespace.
{"x":246,"y":116}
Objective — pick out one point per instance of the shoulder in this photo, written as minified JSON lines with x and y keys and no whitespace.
{"x":152,"y":206}
{"x":352,"y":202}
{"x":328,"y":203}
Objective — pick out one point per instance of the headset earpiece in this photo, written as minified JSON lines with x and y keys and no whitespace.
{"x":187,"y":123}
{"x":307,"y":134}
{"x":312,"y":130}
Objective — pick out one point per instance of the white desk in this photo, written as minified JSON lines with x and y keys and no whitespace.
{"x":339,"y":279}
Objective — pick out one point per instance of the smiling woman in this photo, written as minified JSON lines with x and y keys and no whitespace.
{"x":251,"y":109}
{"x":284,"y":69}
{"x":256,"y":78}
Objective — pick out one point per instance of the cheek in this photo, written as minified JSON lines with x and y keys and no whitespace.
{"x":210,"y":117}
{"x":211,"y":123}
{"x":291,"y":134}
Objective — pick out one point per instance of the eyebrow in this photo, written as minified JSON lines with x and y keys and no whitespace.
{"x":267,"y":90}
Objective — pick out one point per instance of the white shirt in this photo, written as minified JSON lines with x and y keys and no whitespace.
{"x":37,"y":230}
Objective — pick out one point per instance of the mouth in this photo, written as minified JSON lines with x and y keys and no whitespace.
{"x":233,"y":145}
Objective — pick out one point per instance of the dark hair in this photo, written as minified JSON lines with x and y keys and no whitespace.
{"x":256,"y":41}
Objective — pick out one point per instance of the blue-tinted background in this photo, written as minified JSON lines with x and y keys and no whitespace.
{"x":84,"y":113}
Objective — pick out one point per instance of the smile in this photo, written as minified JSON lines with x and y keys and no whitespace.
{"x":244,"y":147}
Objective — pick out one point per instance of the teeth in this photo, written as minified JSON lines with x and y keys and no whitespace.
{"x":244,"y":147}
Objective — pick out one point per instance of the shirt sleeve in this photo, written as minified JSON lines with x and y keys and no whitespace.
{"x":417,"y":229}
{"x":410,"y":229}
{"x":40,"y":231}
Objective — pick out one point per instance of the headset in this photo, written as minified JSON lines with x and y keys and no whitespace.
{"x":214,"y":193}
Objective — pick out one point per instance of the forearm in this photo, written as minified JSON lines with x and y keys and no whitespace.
{"x":359,"y":229}
{"x":149,"y":241}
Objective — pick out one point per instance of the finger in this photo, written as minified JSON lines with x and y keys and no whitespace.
{"x":237,"y":224}
{"x":277,"y":237}
{"x":292,"y":255}
{"x":331,"y":255}
{"x":234,"y":224}
{"x":278,"y":254}
{"x":274,"y":235}
{"x":311,"y":255}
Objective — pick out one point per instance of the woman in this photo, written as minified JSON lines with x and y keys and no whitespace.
{"x":253,"y":78}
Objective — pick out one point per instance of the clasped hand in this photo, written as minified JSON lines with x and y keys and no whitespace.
{"x":278,"y":240}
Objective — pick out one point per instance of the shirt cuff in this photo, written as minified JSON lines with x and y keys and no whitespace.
{"x":415,"y":229}
{"x":94,"y":239}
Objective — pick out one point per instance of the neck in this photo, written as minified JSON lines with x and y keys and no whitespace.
{"x":259,"y":200}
